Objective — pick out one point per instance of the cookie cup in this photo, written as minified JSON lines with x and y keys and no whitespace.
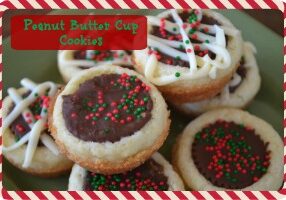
{"x":78,"y":175}
{"x":44,"y":162}
{"x":194,"y":89}
{"x":183,"y":158}
{"x":110,"y":157}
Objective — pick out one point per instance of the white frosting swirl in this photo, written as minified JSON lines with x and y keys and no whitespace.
{"x":200,"y":66}
{"x":37,"y":126}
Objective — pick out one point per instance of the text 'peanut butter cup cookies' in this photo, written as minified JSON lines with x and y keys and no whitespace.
{"x":229,"y":149}
{"x":238,"y":93}
{"x":27,"y":143}
{"x":109,"y":119}
{"x":191,"y":54}
{"x":155,"y":174}
{"x":71,"y":62}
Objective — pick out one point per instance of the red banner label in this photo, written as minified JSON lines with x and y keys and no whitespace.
{"x":100,"y":32}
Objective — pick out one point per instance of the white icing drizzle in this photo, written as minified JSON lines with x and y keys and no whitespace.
{"x":37,"y":126}
{"x":234,"y":82}
{"x":199,"y":66}
{"x":68,"y":61}
{"x":185,"y":37}
{"x":237,"y":79}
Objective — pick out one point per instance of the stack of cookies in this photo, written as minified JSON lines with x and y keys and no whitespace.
{"x":111,"y":117}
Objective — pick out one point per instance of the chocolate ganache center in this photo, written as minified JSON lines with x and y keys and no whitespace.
{"x":149,"y":176}
{"x":242,"y":72}
{"x":188,"y":17}
{"x":107,"y":108}
{"x":229,"y":155}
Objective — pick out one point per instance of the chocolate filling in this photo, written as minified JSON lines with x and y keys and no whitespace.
{"x":229,"y":155}
{"x":107,"y":108}
{"x":100,"y":56}
{"x":19,"y":126}
{"x":176,"y":61}
{"x":149,"y":176}
{"x":241,"y":71}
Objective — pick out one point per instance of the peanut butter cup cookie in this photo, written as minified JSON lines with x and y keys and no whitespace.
{"x":109,"y":119}
{"x":27,"y":143}
{"x":71,"y":62}
{"x":191,"y":54}
{"x":229,"y":149}
{"x":238,"y":93}
{"x":155,"y":174}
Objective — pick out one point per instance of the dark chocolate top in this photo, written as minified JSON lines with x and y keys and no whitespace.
{"x":229,"y":155}
{"x":241,"y":71}
{"x":149,"y":176}
{"x":104,"y":55}
{"x":107,"y":108}
{"x":186,"y":16}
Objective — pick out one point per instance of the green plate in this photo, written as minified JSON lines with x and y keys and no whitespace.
{"x":42,"y":65}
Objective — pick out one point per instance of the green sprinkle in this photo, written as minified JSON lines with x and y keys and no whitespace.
{"x":104,"y":105}
{"x":207,"y":41}
{"x":17,"y":138}
{"x":143,"y":187}
{"x":174,"y":29}
{"x":178,"y":57}
{"x":187,"y":41}
{"x":192,"y":31}
{"x":263,"y":169}
{"x":177,"y":74}
{"x":234,"y":180}
{"x":106,"y":118}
